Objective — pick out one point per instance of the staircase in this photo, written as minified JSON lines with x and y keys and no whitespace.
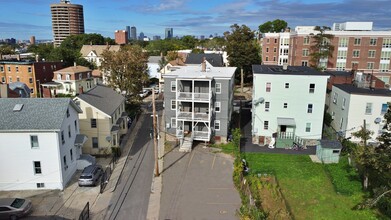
{"x":186,"y":144}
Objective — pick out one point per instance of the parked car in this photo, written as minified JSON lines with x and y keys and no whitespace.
{"x":14,"y":208}
{"x":144,"y":93}
{"x":90,"y":175}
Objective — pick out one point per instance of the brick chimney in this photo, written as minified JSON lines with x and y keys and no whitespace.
{"x":46,"y":92}
{"x":203,"y":65}
{"x":4,"y":90}
{"x":81,"y":90}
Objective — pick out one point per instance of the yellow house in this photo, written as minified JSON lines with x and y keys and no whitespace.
{"x":103,"y":121}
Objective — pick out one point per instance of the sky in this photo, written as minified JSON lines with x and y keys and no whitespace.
{"x":21,"y":19}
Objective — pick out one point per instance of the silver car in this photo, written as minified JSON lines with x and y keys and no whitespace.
{"x":90,"y":175}
{"x":14,"y":208}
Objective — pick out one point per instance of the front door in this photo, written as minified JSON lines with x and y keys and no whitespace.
{"x":282,"y":128}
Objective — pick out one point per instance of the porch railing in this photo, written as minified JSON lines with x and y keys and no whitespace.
{"x":189,"y":96}
{"x":204,"y":135}
{"x":197,"y":116}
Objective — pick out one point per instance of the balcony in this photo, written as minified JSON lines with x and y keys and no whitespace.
{"x":201,"y":135}
{"x":190,"y":96}
{"x":189,"y":116}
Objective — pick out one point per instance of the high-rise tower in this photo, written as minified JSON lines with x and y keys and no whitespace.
{"x":169,"y":33}
{"x":128,"y":31}
{"x":67,"y":19}
{"x":133,"y":33}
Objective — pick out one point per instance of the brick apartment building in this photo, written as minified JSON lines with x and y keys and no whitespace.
{"x":121,"y":37}
{"x":356,"y":46}
{"x":32,"y":73}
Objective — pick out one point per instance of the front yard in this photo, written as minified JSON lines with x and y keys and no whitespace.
{"x":308,"y":187}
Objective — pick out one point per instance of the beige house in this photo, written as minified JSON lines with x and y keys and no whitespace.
{"x":93,"y":53}
{"x":103,"y":121}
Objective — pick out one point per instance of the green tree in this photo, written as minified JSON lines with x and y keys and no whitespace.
{"x":77,"y":41}
{"x":189,"y":42}
{"x":273,"y":26}
{"x":6,"y":49}
{"x":242,"y":49}
{"x":42,"y":50}
{"x":127,"y":70}
{"x":321,"y":48}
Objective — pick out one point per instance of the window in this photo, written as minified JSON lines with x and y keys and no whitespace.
{"x":335,"y":98}
{"x":267,"y":59}
{"x":37,"y":167}
{"x":10,"y":79}
{"x":308,"y":127}
{"x":173,"y":104}
{"x":385,"y":55}
{"x":384,"y":108}
{"x":75,"y":125}
{"x":266,"y":125}
{"x":384,"y":67}
{"x":343,"y":103}
{"x":371,"y":53}
{"x":68,"y":77}
{"x":40,"y":185}
{"x":173,"y":86}
{"x":93,"y":123}
{"x":30,"y":80}
{"x":218,"y":106}
{"x":65,"y":162}
{"x":306,"y":52}
{"x":17,"y":68}
{"x":69,"y":131}
{"x":17,"y":79}
{"x":29,"y":70}
{"x":217,"y":125}
{"x":71,"y":153}
{"x":268,"y":87}
{"x":267,"y":40}
{"x":173,"y":122}
{"x":304,"y":63}
{"x":1,"y":69}
{"x":95,"y":143}
{"x":218,"y":88}
{"x":373,"y":41}
{"x":368,"y":108}
{"x":357,"y":41}
{"x":342,"y":54}
{"x":309,"y":108}
{"x":287,"y":85}
{"x":341,"y":124}
{"x":88,"y":75}
{"x":80,"y":76}
{"x":312,"y":88}
{"x":58,"y":76}
{"x":356,"y":53}
{"x":370,"y":65}
{"x":341,"y":66}
{"x":3,"y":79}
{"x":274,"y":58}
{"x":267,"y":50}
{"x":62,"y":137}
{"x":31,"y":90}
{"x":285,"y":105}
{"x":275,"y":50}
{"x":267,"y":106}
{"x":34,"y":141}
{"x":306,"y":40}
{"x":343,"y":42}
{"x":9,"y":69}
{"x":275,"y":40}
{"x":387,"y":43}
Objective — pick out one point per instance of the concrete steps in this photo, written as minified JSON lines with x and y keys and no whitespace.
{"x":186,"y":145}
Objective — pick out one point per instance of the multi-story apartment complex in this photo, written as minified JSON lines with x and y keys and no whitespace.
{"x":121,"y":37}
{"x":67,"y":19}
{"x":33,"y":74}
{"x":356,"y":46}
{"x":199,"y":103}
{"x":350,"y":106}
{"x":133,"y":33}
{"x":288,"y":104}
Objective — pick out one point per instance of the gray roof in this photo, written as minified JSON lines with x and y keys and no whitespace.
{"x":36,"y":114}
{"x":103,"y":98}
{"x":291,"y":70}
{"x":339,"y":73}
{"x":351,"y":89}
{"x":331,"y":144}
{"x":215,"y":60}
{"x":154,"y":59}
{"x":194,"y":72}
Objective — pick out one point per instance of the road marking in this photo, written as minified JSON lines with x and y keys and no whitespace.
{"x":213,"y":163}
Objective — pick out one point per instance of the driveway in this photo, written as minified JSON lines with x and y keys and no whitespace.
{"x":198,"y":185}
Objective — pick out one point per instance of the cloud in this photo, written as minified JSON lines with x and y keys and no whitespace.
{"x":160,"y":6}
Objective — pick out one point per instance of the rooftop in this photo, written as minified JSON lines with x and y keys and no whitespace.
{"x":215,"y":60}
{"x":195,"y":72}
{"x":339,"y":73}
{"x":74,"y":69}
{"x":98,"y":49}
{"x":351,"y":89}
{"x":291,"y":70}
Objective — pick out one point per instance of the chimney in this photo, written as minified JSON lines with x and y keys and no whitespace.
{"x":4,"y":90}
{"x":285,"y":66}
{"x":37,"y":58}
{"x":18,"y":57}
{"x":74,"y":64}
{"x":203,"y":65}
{"x":81,"y":90}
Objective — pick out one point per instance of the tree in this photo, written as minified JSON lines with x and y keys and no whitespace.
{"x":127,"y":70}
{"x":273,"y":26}
{"x":189,"y":42}
{"x":5,"y":50}
{"x":242,"y":49}
{"x":321,"y":48}
{"x":172,"y":55}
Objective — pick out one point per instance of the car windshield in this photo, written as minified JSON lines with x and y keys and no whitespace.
{"x":17,"y":203}
{"x":86,"y":177}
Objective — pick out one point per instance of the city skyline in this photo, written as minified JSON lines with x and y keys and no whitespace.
{"x":189,"y":17}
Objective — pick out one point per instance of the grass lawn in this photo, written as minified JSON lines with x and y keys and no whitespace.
{"x":308,"y":187}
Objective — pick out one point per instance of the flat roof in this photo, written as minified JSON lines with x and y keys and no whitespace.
{"x":339,"y":73}
{"x":291,"y":70}
{"x":351,"y":89}
{"x":195,"y":72}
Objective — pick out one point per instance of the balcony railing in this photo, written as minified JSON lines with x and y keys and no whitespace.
{"x":191,"y":96}
{"x":201,"y":135}
{"x":197,"y":116}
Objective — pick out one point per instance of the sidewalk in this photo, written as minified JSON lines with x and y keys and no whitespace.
{"x":101,"y":205}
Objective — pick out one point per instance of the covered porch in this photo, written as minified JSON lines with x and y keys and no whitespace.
{"x":285,"y":135}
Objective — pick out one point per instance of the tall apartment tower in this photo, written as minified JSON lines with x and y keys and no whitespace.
{"x":133,"y":33}
{"x":67,"y":19}
{"x":169,"y":33}
{"x":128,"y":31}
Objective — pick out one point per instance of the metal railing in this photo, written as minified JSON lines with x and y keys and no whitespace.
{"x":193,"y":116}
{"x":191,"y":96}
{"x":85,"y":213}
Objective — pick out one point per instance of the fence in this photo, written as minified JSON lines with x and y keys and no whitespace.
{"x":85,"y":214}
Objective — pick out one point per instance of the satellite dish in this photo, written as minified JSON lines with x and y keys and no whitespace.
{"x":377,"y":120}
{"x":259,"y":100}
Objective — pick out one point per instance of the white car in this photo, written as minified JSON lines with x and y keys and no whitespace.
{"x":144,"y":93}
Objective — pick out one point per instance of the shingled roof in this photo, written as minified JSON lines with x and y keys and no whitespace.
{"x":98,"y":49}
{"x":34,"y":114}
{"x":215,"y":60}
{"x":103,"y":98}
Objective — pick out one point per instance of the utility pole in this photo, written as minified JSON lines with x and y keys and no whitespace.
{"x":365,"y":134}
{"x":155,"y":144}
{"x":241,"y":79}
